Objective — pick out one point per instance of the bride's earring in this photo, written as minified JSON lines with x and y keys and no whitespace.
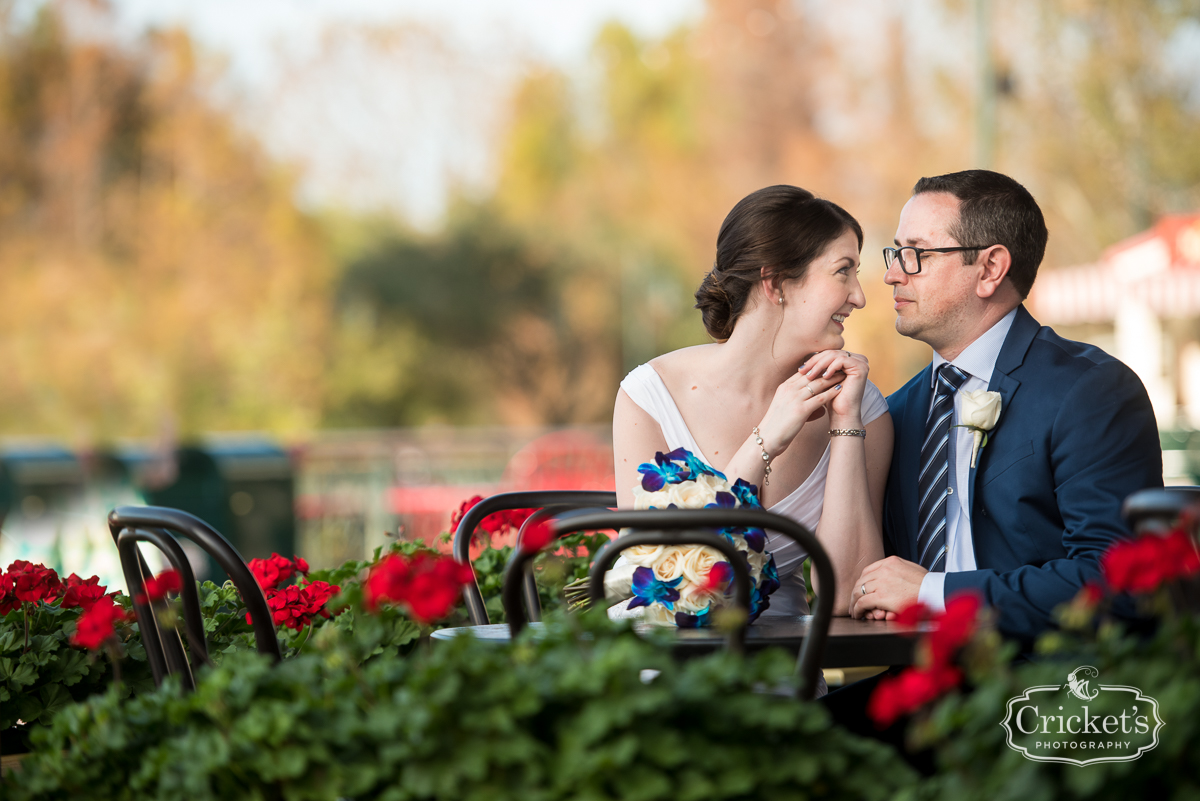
{"x":781,"y":300}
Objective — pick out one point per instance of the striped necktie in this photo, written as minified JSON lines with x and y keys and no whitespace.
{"x":933,"y":483}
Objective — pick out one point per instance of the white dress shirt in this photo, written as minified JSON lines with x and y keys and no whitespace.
{"x":977,"y":360}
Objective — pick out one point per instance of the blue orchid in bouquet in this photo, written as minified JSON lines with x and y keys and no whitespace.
{"x":756,"y":538}
{"x":770,"y":576}
{"x":662,"y":472}
{"x":666,"y":469}
{"x":697,"y":467}
{"x":759,"y":602}
{"x":647,"y":589}
{"x":697,"y":621}
{"x":723,"y":500}
{"x":747,"y":493}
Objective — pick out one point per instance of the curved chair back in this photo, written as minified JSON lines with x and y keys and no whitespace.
{"x":160,"y":527}
{"x":1157,"y":509}
{"x":164,"y":651}
{"x":687,"y":521}
{"x":553,"y":500}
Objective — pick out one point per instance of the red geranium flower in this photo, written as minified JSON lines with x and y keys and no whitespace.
{"x":1144,"y":564}
{"x":517,"y":517}
{"x":295,"y":606}
{"x":270,"y":573}
{"x":1179,"y":551}
{"x":428,"y":584}
{"x":954,"y":627}
{"x":909,"y":691}
{"x":916,"y":686}
{"x":457,"y":516}
{"x":158,"y":587}
{"x":95,"y":625}
{"x":913,"y":614}
{"x":33,"y":583}
{"x":495,"y":523}
{"x":82,"y":592}
{"x":8,"y":601}
{"x":537,"y":537}
{"x":719,"y":577}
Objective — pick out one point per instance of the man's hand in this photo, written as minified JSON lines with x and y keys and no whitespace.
{"x":891,"y":583}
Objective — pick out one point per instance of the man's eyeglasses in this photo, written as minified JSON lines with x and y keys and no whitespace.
{"x":910,"y":261}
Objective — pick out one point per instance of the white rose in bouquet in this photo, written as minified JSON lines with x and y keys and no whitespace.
{"x":669,"y":564}
{"x":692,"y":494}
{"x":697,"y":562}
{"x":643,"y":555}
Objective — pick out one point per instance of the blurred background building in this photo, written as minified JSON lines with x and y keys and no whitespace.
{"x":321,"y":271}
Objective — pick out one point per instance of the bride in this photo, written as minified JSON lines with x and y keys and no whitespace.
{"x":776,"y":301}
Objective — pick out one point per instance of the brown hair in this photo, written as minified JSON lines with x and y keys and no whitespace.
{"x":995,"y":210}
{"x":777,"y":232}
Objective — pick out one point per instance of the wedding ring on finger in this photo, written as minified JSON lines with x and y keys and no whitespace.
{"x":810,"y":390}
{"x":864,"y":589}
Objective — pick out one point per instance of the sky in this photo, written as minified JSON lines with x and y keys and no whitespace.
{"x":389,"y":104}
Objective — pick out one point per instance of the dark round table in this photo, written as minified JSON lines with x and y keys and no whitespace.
{"x":851,"y":643}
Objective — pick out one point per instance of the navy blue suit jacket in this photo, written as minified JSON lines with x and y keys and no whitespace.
{"x":1076,"y":435}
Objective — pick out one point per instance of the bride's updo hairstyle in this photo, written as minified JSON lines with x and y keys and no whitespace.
{"x":774,"y":232}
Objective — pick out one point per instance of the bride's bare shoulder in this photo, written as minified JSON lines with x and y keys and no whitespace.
{"x":680,"y":365}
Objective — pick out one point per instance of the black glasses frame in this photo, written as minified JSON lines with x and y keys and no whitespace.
{"x":891,"y":254}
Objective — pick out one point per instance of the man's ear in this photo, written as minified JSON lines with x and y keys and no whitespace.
{"x":993,"y":264}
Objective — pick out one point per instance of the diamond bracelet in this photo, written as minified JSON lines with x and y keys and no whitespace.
{"x":848,"y":432}
{"x":766,"y":457}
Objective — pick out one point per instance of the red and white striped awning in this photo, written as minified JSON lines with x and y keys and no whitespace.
{"x":1159,"y":268}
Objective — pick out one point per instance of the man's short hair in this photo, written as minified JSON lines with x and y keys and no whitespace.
{"x":995,"y":210}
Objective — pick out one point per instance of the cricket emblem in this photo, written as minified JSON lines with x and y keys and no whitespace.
{"x":1079,"y":687}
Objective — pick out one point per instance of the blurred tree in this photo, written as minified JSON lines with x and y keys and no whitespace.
{"x":1107,"y":118}
{"x":476,"y":324}
{"x":156,"y":264}
{"x":636,"y":165}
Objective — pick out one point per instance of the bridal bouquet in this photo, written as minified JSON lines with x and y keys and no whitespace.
{"x":683,"y":585}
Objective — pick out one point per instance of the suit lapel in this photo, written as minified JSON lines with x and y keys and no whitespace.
{"x":1012,"y":354}
{"x":916,"y":412}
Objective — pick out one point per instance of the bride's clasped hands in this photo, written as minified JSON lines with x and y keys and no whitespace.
{"x":830,"y":382}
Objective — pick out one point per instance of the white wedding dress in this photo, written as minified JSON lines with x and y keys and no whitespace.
{"x":645,"y":387}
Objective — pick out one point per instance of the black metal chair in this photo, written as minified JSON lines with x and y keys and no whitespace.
{"x":1156,"y":511}
{"x":130,"y":525}
{"x":549,"y":503}
{"x":688,"y":526}
{"x":1158,"y":508}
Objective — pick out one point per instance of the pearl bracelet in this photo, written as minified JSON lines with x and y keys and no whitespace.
{"x":848,"y":432}
{"x":766,"y":456}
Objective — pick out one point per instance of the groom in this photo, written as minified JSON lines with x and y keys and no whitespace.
{"x":1023,"y":521}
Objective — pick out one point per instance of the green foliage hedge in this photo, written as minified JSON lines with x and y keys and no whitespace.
{"x":39,"y":679}
{"x":566,"y":716}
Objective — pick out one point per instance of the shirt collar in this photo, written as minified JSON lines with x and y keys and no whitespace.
{"x":979,"y":358}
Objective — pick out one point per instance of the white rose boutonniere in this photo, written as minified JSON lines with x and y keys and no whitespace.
{"x":980,"y":411}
